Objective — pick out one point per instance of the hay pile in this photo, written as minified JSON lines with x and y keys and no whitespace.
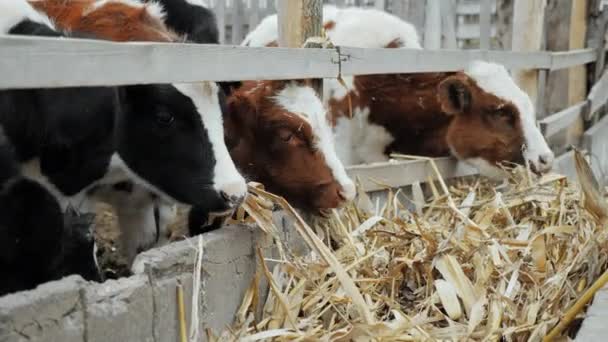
{"x":478,"y":262}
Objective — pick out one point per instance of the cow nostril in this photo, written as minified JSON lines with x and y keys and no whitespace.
{"x":546,"y":160}
{"x":237,"y":200}
{"x":225,"y":196}
{"x":233,"y":201}
{"x":340,"y":194}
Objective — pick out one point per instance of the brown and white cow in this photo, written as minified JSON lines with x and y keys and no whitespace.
{"x":278,"y":134}
{"x":116,"y":20}
{"x":478,"y":115}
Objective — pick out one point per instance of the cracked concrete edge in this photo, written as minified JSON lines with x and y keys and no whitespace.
{"x":594,"y":327}
{"x":51,"y":312}
{"x":143,"y":307}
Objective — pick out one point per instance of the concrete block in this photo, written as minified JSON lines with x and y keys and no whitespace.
{"x":229,"y":264}
{"x":179,"y":257}
{"x":166,"y":319}
{"x":51,"y":312}
{"x":594,"y":326}
{"x":120,"y":310}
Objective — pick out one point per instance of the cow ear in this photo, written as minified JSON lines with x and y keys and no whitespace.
{"x":454,"y":96}
{"x":229,"y":87}
{"x":239,"y":119}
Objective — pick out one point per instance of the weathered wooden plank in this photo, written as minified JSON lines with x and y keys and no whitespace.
{"x":237,"y":22}
{"x":542,"y":91}
{"x":472,"y":8}
{"x":601,"y":48}
{"x":378,"y":61}
{"x":254,"y":14}
{"x":564,"y":164}
{"x":378,"y":176}
{"x":220,"y":13}
{"x":432,"y":25}
{"x":380,"y":4}
{"x":41,"y":62}
{"x":568,"y":59}
{"x":471,"y":31}
{"x":555,"y":123}
{"x":485,"y":22}
{"x":598,"y":95}
{"x":448,"y":23}
{"x":595,"y":141}
{"x":299,"y":20}
{"x":27,"y":62}
{"x":528,"y":19}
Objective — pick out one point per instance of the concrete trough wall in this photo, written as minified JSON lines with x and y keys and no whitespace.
{"x":143,"y":307}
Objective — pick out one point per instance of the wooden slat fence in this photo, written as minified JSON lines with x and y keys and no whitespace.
{"x":461,"y":22}
{"x":27,"y":62}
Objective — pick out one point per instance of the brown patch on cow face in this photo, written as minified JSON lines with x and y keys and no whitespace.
{"x":329,"y":25}
{"x":483,"y":125}
{"x":114,"y":21}
{"x":277,"y":148}
{"x":394,"y":44}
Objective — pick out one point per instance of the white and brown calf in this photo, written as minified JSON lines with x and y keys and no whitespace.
{"x":479,"y":115}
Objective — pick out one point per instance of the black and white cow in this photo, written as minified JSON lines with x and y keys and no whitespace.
{"x":37,"y":242}
{"x":167,"y":138}
{"x":191,"y":19}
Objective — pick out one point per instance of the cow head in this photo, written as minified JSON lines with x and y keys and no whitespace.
{"x":493,"y":120}
{"x":279,"y":135}
{"x":170,"y":139}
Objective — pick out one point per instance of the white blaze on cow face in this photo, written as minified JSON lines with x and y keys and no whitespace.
{"x":14,"y":11}
{"x":303,"y":101}
{"x":494,"y":79}
{"x":227,"y":179}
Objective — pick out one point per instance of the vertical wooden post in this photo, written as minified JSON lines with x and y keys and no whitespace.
{"x":577,"y":76}
{"x":601,"y":52}
{"x":380,"y":4}
{"x":412,"y":11}
{"x":485,"y":24}
{"x":254,"y":14}
{"x":298,"y":21}
{"x":528,"y":19}
{"x":220,"y":14}
{"x":448,"y":23}
{"x":432,"y":25}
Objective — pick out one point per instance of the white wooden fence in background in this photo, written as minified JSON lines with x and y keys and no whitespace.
{"x":457,"y":23}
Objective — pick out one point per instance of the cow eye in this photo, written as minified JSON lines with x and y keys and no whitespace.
{"x":286,"y":135}
{"x":505,"y":115}
{"x":164,"y":118}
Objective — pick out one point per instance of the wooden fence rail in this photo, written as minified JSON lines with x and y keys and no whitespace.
{"x":27,"y":62}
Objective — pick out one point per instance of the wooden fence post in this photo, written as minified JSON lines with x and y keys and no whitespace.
{"x":577,"y":76}
{"x":485,"y":24}
{"x":448,"y":23}
{"x":298,"y":21}
{"x":528,"y":19}
{"x":220,"y":13}
{"x":432,"y":25}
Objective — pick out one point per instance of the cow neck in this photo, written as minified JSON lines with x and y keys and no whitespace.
{"x":406,"y":105}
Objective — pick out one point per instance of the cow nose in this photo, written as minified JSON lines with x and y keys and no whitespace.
{"x":348,"y":191}
{"x":233,"y":193}
{"x":232,"y":201}
{"x":546,"y":159}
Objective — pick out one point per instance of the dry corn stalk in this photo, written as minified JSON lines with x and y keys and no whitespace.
{"x":505,"y":263}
